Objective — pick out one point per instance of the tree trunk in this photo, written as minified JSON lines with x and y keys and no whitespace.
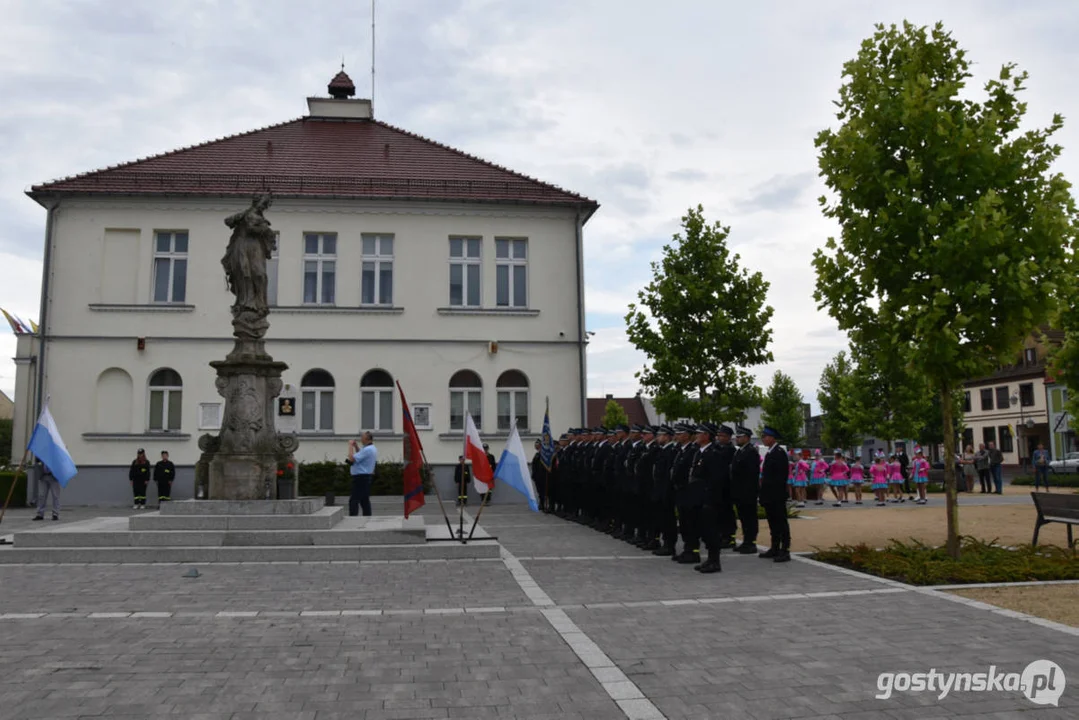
{"x":949,"y":470}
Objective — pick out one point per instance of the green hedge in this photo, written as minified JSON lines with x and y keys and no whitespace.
{"x":1071,"y":480}
{"x":18,"y":498}
{"x":320,"y":478}
{"x":980,"y":562}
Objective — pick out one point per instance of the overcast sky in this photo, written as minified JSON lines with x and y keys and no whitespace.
{"x":647,"y":107}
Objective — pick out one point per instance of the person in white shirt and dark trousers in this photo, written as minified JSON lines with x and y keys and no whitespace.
{"x":362,"y":461}
{"x":49,"y":486}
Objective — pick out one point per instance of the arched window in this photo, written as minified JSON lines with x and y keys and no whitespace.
{"x":166,"y":400}
{"x":512,"y":400}
{"x":466,"y":395}
{"x":316,"y":390}
{"x":376,"y":401}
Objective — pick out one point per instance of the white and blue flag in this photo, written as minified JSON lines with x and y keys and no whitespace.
{"x":49,"y":448}
{"x":513,"y":470}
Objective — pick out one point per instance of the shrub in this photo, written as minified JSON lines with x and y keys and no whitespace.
{"x":1070,"y":480}
{"x":18,"y":498}
{"x":319,"y":478}
{"x":980,"y":562}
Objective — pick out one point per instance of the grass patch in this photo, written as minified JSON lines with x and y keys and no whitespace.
{"x":980,"y":562}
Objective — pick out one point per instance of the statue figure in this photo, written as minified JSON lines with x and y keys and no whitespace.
{"x":251,"y":245}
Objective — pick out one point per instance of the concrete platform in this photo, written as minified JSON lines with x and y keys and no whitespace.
{"x":322,"y":519}
{"x":303,"y":506}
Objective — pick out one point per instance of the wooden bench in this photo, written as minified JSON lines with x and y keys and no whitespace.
{"x":1056,"y":507}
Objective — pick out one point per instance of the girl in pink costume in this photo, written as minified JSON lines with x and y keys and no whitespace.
{"x":820,"y":474}
{"x":878,"y":471}
{"x":895,"y":479}
{"x":800,"y":468}
{"x":919,"y":470}
{"x":792,"y":460}
{"x":838,"y":473}
{"x":857,"y":477}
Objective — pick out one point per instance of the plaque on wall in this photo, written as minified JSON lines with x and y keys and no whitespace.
{"x":286,"y":407}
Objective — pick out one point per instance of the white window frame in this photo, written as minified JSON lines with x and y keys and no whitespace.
{"x":377,"y":393}
{"x":166,"y":392}
{"x":318,"y":391}
{"x":320,"y":258}
{"x":510,"y":262}
{"x":512,"y":393}
{"x":466,"y":393}
{"x":171,"y":255}
{"x":465,"y":261}
{"x":273,"y":270}
{"x":378,"y":259}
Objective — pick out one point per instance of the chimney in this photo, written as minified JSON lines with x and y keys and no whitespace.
{"x":339,"y":104}
{"x":610,"y":397}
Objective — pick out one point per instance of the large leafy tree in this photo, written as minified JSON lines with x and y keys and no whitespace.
{"x":953,"y":228}
{"x":882,"y":397}
{"x":783,"y":409}
{"x":701,"y":321}
{"x":1064,"y":359}
{"x":838,"y":431}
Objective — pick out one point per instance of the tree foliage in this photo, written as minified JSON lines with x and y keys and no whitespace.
{"x":614,"y":414}
{"x":701,"y":322}
{"x":784,"y":410}
{"x":953,"y":228}
{"x":1064,"y":359}
{"x":884,"y":398}
{"x":838,"y":431}
{"x":5,"y":441}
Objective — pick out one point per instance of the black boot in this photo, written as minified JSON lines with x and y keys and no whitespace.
{"x":712,"y":566}
{"x":747,"y":548}
{"x":769,"y":554}
{"x":688,"y":557}
{"x":664,"y":551}
{"x":783,"y":556}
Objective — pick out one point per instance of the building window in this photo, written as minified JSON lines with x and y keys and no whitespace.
{"x":1003,"y":401}
{"x":316,"y":390}
{"x":464,"y":272}
{"x":512,"y":388}
{"x":466,"y":395}
{"x":966,"y":401}
{"x":968,"y":438}
{"x":1006,"y":444}
{"x":166,"y":400}
{"x":170,"y":267}
{"x":989,"y":435}
{"x":376,"y":285}
{"x":319,"y":268}
{"x":1026,"y":394}
{"x":987,"y":398}
{"x":1030,"y":356}
{"x":376,"y":401}
{"x":271,"y":271}
{"x":511,"y":273}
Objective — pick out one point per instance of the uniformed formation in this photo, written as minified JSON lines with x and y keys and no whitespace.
{"x":653,"y":485}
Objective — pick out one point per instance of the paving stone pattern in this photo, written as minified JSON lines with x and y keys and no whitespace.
{"x":635,"y":637}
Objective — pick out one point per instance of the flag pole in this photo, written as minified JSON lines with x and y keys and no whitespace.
{"x":438,"y":495}
{"x":14,"y":481}
{"x":462,"y":492}
{"x":475,"y":520}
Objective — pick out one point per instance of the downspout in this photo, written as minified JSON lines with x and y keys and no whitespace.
{"x":42,"y":325}
{"x":581,"y":341}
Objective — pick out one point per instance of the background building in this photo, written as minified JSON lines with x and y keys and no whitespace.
{"x":7,"y":407}
{"x":399,"y":259}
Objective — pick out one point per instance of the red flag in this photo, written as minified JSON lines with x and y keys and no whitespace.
{"x":413,"y":453}
{"x":482,"y":472}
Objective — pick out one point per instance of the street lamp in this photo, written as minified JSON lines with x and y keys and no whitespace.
{"x":1023,"y":424}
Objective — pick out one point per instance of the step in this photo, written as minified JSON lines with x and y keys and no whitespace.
{"x":303,"y":506}
{"x":322,"y":519}
{"x":307,"y":553}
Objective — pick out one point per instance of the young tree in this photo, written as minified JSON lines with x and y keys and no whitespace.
{"x":783,"y":409}
{"x":614,"y":414}
{"x":701,"y":321}
{"x":838,"y":432}
{"x":953,"y":228}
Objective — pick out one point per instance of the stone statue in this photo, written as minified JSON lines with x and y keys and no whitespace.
{"x":251,"y":245}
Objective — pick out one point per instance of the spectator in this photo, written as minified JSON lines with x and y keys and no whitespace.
{"x":996,"y":468}
{"x":967,"y":463}
{"x":51,"y":486}
{"x":362,"y":459}
{"x":981,"y":465}
{"x":1041,"y":467}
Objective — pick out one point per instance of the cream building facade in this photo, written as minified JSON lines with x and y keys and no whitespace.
{"x":398,"y":260}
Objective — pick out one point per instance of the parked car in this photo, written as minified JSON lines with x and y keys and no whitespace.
{"x":1069,"y":464}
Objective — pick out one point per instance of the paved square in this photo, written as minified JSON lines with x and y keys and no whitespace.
{"x":569,"y":624}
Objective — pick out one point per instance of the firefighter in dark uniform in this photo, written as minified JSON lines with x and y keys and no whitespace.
{"x":745,"y":483}
{"x":627,"y":490}
{"x":718,"y":508}
{"x":164,"y":474}
{"x":604,"y":450}
{"x":613,"y":472}
{"x":773,"y":495}
{"x":702,"y":497}
{"x":642,"y":488}
{"x":680,"y":480}
{"x":661,"y":512}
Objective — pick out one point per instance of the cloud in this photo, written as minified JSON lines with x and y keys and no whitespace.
{"x":689,"y":175}
{"x":779,"y":192}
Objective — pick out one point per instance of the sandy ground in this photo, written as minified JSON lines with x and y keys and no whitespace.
{"x":1009,"y":524}
{"x":1059,"y":603}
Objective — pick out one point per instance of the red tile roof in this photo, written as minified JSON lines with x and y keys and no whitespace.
{"x":597,"y":408}
{"x":319,"y":157}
